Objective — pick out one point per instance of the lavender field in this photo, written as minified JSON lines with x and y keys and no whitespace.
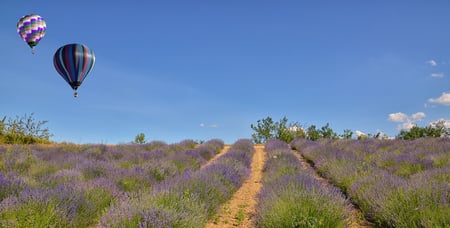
{"x":292,"y":197}
{"x":72,"y":185}
{"x":394,"y":183}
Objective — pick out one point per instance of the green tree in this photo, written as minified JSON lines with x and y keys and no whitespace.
{"x":328,"y":133}
{"x":2,"y":130}
{"x":347,"y":134}
{"x":312,"y":133}
{"x":437,"y":129}
{"x":288,"y":132}
{"x":297,"y":130}
{"x":23,"y":130}
{"x":140,"y":138}
{"x":266,"y":129}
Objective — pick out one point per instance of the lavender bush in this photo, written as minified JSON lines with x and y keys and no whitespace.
{"x":395,"y":183}
{"x":291,"y":197}
{"x":69,"y":185}
{"x":189,"y":199}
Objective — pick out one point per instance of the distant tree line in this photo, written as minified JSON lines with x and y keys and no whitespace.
{"x":267,"y":128}
{"x":23,"y":130}
{"x":437,"y":129}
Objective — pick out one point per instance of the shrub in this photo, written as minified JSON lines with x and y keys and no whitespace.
{"x":23,"y":130}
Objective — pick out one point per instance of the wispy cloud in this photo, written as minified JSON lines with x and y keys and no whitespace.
{"x":417,"y":116}
{"x":405,"y":121}
{"x":437,"y":75}
{"x":432,"y":62}
{"x":209,"y":126}
{"x":444,"y":99}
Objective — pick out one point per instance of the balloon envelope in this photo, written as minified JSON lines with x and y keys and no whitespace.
{"x":74,"y":62}
{"x":31,"y":29}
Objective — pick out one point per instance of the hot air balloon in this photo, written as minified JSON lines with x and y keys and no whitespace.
{"x":74,"y":62}
{"x":31,"y":29}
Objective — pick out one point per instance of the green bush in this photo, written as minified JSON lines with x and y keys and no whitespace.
{"x":23,"y":130}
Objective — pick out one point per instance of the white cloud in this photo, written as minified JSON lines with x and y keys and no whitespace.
{"x":444,"y":99}
{"x":432,"y":62}
{"x":209,"y":126}
{"x":397,"y":117}
{"x":417,"y":116}
{"x":437,"y":75}
{"x":406,"y":122}
{"x":406,"y":126}
{"x":359,"y":133}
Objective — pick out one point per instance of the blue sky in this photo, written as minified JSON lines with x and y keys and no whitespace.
{"x":177,"y":70}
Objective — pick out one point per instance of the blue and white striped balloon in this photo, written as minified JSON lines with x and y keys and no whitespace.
{"x":74,"y":62}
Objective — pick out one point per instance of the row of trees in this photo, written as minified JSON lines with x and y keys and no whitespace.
{"x":23,"y":130}
{"x":267,"y":128}
{"x":437,"y":129}
{"x":26,"y":130}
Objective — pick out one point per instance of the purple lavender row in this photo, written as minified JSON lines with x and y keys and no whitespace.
{"x":292,"y":197}
{"x":72,"y":185}
{"x":188,"y":200}
{"x":396,"y":183}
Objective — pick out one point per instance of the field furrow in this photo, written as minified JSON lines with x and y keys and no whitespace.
{"x":355,"y":217}
{"x":218,"y":155}
{"x":293,"y":195}
{"x":240,"y":210}
{"x":395,"y":183}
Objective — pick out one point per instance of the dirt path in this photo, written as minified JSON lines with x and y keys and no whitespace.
{"x":356,"y":218}
{"x":240,"y":210}
{"x":222,"y":152}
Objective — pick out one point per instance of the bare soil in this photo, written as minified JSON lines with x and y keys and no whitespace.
{"x":222,"y":152}
{"x":240,"y":211}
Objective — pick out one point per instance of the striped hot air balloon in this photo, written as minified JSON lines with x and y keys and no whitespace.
{"x":31,"y":29}
{"x":74,"y":62}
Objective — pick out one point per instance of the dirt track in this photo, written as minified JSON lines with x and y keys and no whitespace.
{"x":240,"y":210}
{"x":222,"y":152}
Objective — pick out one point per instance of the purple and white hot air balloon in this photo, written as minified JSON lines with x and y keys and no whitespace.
{"x":31,"y":29}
